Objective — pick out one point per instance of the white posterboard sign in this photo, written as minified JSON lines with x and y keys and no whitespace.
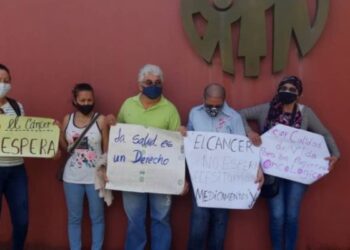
{"x":294,"y":154}
{"x":223,"y":169}
{"x":145,"y":160}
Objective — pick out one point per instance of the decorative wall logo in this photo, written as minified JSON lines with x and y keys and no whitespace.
{"x":289,"y":17}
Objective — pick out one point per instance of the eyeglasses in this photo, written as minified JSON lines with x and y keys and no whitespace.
{"x":214,"y":106}
{"x":288,"y":89}
{"x":150,"y":82}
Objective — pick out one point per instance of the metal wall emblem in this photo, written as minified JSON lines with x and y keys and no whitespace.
{"x":290,"y":19}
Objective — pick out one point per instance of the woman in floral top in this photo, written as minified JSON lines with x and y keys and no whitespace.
{"x":79,"y":172}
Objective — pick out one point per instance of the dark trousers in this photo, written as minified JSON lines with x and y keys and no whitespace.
{"x":208,"y":228}
{"x":284,"y":211}
{"x":14,"y":185}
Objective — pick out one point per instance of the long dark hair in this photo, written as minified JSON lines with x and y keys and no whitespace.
{"x":3,"y":67}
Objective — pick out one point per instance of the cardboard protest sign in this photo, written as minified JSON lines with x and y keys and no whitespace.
{"x":146,"y":160}
{"x":223,"y":169}
{"x":294,"y":154}
{"x":24,"y":136}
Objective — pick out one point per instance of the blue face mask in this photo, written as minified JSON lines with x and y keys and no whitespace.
{"x":152,"y":92}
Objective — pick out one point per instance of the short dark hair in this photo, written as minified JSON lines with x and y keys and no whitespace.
{"x":3,"y":67}
{"x":81,"y":87}
{"x":218,"y":88}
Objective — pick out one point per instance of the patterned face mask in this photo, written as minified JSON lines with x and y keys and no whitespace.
{"x":213,"y":110}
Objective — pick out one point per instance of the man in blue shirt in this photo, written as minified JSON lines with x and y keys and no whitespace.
{"x":215,"y":115}
{"x":209,"y":224}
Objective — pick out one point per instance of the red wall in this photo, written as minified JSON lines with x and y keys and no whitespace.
{"x":50,"y":45}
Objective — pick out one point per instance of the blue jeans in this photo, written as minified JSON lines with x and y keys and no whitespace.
{"x":75,"y":198}
{"x":207,"y":224}
{"x":14,"y":185}
{"x":135,"y":206}
{"x":284,"y":214}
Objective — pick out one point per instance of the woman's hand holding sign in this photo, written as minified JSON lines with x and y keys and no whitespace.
{"x":260,"y":178}
{"x":254,"y":138}
{"x":332,"y":160}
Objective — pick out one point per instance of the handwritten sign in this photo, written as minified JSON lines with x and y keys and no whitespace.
{"x":223,"y":169}
{"x":28,"y":136}
{"x":294,"y":154}
{"x":146,"y":160}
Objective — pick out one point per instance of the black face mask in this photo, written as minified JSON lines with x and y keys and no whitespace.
{"x":287,"y":97}
{"x":84,"y":109}
{"x":211,"y":110}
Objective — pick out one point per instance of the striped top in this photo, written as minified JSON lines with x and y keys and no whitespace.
{"x":11,"y":161}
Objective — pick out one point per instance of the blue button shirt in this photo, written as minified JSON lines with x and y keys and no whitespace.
{"x":227,"y":121}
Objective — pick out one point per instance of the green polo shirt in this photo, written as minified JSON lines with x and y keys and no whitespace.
{"x":163,"y":115}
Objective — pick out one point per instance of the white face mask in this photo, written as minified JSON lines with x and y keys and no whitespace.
{"x":4,"y":89}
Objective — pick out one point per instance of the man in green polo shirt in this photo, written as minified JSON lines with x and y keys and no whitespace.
{"x":149,"y":108}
